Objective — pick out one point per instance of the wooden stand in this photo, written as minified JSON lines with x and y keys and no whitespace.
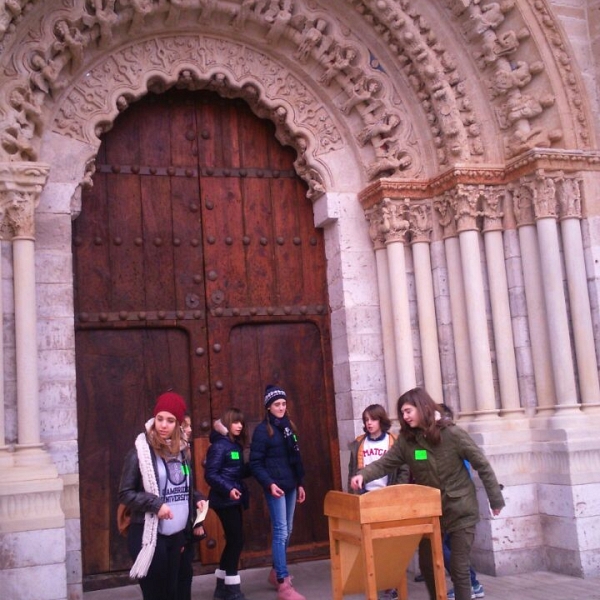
{"x":374,"y":536}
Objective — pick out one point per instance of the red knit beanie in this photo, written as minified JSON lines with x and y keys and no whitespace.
{"x":172,"y":403}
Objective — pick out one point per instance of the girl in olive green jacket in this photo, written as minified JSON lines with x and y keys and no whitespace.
{"x":435,"y":449}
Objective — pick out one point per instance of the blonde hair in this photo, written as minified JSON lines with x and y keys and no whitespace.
{"x":166,"y":448}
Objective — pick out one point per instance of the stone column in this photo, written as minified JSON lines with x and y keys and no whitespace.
{"x":385,"y":304}
{"x":544,"y":202}
{"x":465,"y":205}
{"x":31,"y":482}
{"x":569,"y":202}
{"x":522,"y":196}
{"x":420,"y":229}
{"x":458,"y":306}
{"x":19,"y":210}
{"x":501,"y":316}
{"x":4,"y":457}
{"x":394,"y":227}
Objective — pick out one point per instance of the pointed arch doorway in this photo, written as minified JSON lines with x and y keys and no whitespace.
{"x":197,"y":267}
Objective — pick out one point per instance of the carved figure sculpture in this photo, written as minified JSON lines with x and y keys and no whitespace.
{"x":364,"y":90}
{"x":311,"y":36}
{"x":70,"y":40}
{"x":382,"y":127}
{"x":9,"y":10}
{"x":338,"y":62}
{"x":104,"y":17}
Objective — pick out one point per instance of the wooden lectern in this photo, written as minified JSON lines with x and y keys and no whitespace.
{"x":374,"y":536}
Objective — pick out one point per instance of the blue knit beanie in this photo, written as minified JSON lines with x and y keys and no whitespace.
{"x":272,"y":393}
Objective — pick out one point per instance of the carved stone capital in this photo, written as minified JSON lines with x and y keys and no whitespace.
{"x":21,"y":185}
{"x":443,"y":207}
{"x":465,"y":202}
{"x":544,"y":196}
{"x":493,"y":205}
{"x":522,"y":199}
{"x":420,"y":222}
{"x":375,"y":218}
{"x":394,"y":225}
{"x":569,"y":198}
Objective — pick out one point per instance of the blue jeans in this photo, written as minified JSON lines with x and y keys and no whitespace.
{"x":281,"y":511}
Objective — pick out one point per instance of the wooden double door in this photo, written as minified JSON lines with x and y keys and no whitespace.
{"x":198,"y":268}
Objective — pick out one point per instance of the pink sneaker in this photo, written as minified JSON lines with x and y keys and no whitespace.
{"x":285,"y":591}
{"x":272,"y":579}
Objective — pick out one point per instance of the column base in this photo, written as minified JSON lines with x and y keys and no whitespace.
{"x":30,"y":495}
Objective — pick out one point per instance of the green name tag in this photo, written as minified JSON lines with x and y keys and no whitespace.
{"x":235,"y":455}
{"x":420,"y":454}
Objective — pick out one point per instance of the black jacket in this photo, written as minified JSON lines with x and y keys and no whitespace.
{"x":224,"y":470}
{"x":270,"y":462}
{"x":138,"y":501}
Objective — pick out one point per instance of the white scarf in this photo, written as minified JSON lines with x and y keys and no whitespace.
{"x":144,"y":558}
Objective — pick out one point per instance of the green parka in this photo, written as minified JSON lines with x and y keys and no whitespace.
{"x":443,"y":467}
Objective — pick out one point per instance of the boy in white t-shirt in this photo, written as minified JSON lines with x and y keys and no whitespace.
{"x":369,"y":447}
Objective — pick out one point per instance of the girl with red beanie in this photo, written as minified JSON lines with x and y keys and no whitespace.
{"x":157,"y":487}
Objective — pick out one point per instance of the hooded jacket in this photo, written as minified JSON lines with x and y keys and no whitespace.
{"x":443,"y":467}
{"x":224,"y":470}
{"x":270,"y":462}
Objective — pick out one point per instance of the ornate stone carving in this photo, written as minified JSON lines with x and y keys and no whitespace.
{"x":569,"y":197}
{"x":341,"y":61}
{"x":507,"y":53}
{"x":10,"y":10}
{"x":544,"y":195}
{"x":420,"y":222}
{"x":492,"y":210}
{"x":443,"y":206}
{"x":197,"y":57}
{"x":375,"y":219}
{"x":100,"y":18}
{"x":522,"y":197}
{"x":69,"y":40}
{"x":20,"y":187}
{"x":465,"y":202}
{"x":394,"y":225}
{"x":62,"y":37}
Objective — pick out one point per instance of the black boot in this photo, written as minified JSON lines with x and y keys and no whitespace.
{"x":233,"y":590}
{"x":220,"y":593}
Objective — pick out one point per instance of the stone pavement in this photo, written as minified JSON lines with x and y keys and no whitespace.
{"x":313,"y":580}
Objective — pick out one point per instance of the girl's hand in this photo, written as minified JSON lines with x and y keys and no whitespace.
{"x":496,"y":511}
{"x":164,"y":512}
{"x":276,"y":491}
{"x":356,"y":482}
{"x":201,"y":505}
{"x":235,"y":494}
{"x":301,"y":495}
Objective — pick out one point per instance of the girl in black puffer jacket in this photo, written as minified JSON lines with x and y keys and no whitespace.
{"x":228,"y":497}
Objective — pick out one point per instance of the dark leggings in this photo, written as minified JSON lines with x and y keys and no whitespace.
{"x":186,"y":572}
{"x":161,"y":581}
{"x":233,"y":526}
